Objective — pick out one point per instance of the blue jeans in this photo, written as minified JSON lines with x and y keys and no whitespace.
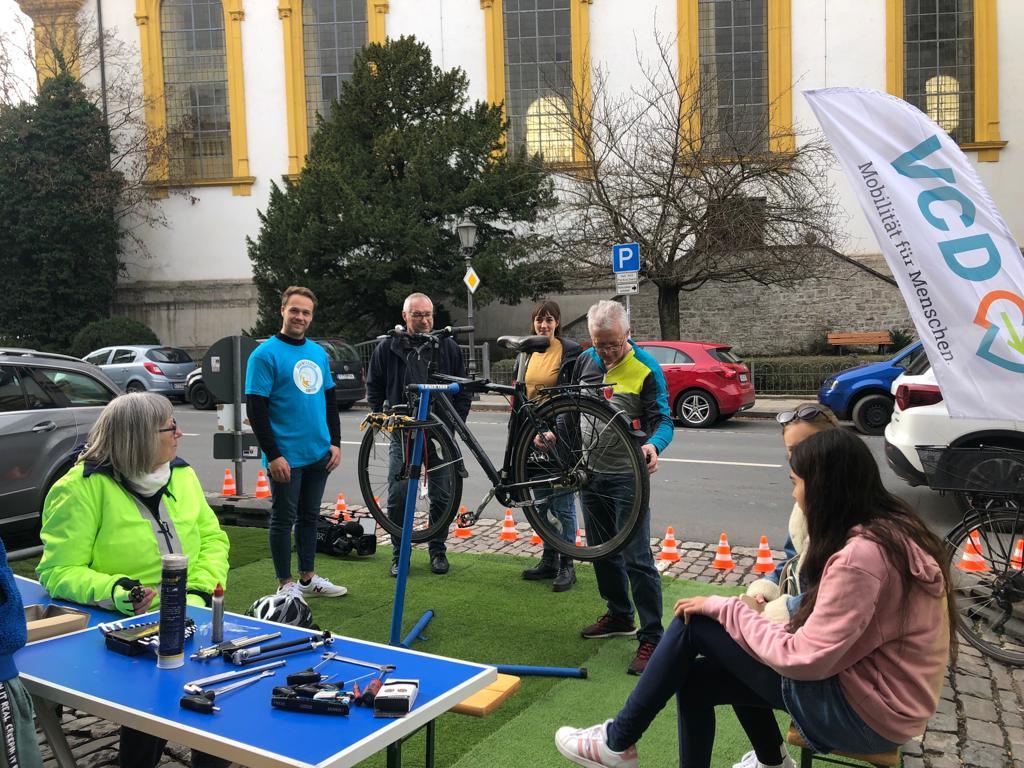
{"x":297,"y":502}
{"x":605,"y":502}
{"x":827,"y":721}
{"x":564,"y":506}
{"x":439,"y":489}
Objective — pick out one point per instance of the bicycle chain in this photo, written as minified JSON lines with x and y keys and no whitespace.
{"x":389,"y":422}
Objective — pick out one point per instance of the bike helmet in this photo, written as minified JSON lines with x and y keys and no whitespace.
{"x":284,"y":609}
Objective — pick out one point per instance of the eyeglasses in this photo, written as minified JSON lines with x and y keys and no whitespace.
{"x":610,"y":346}
{"x":421,"y":315}
{"x":806,"y":413}
{"x":172,"y":428}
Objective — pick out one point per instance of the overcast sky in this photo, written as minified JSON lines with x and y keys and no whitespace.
{"x":13,"y":25}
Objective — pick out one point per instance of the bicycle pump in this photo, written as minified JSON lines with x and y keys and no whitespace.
{"x":415,"y":470}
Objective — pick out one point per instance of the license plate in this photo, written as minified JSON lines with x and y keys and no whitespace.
{"x":744,"y":378}
{"x":178,"y":386}
{"x":346,"y":375}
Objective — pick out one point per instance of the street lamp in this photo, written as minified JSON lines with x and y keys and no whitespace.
{"x":466,"y":230}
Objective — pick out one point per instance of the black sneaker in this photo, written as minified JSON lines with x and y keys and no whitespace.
{"x":394,"y":568}
{"x":547,"y":568}
{"x":609,"y":626}
{"x":439,"y":563}
{"x":643,"y":655}
{"x":565,"y":577}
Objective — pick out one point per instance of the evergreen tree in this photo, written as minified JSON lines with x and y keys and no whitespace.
{"x":398,"y":161}
{"x":59,"y":249}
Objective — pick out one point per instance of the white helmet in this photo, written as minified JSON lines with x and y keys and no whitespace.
{"x":284,"y":609}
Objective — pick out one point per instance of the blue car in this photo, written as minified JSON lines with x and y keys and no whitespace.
{"x":862,"y":394}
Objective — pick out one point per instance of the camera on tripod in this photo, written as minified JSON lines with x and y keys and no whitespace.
{"x":334,"y":537}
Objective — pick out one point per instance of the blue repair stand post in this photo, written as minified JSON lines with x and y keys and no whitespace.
{"x":405,"y":547}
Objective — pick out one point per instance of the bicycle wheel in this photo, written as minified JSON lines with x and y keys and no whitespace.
{"x":595,"y":459}
{"x":989,"y":584}
{"x":384,"y":477}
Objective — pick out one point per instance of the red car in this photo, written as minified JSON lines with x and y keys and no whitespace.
{"x":706,"y":382}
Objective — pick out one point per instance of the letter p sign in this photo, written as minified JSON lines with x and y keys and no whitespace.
{"x":626,"y":257}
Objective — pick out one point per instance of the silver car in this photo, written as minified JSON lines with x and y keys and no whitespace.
{"x":48,"y":404}
{"x":145,"y":368}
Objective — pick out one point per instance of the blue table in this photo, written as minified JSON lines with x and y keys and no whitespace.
{"x":77,"y":670}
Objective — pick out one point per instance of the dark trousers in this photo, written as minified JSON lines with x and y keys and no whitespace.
{"x":704,"y":668}
{"x":141,"y":750}
{"x":631,"y":570}
{"x":439,"y":488}
{"x":297,"y":503}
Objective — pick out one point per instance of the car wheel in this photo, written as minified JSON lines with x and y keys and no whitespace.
{"x":135,"y":386}
{"x":871,"y":413}
{"x":998,"y":473}
{"x":696,"y":408}
{"x":346,"y":406}
{"x":201,"y":398}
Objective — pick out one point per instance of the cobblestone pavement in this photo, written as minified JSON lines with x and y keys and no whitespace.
{"x":979,"y":723}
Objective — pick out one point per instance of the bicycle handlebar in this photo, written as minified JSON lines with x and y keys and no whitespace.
{"x":424,"y":338}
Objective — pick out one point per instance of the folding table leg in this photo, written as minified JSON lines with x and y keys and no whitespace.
{"x":430,"y":745}
{"x":395,"y":755}
{"x":50,"y":724}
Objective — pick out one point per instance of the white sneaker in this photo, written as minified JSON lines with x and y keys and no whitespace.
{"x":587,"y":746}
{"x":291,"y":589}
{"x":321,"y":587}
{"x":750,"y":760}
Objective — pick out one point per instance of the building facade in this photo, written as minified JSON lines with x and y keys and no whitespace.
{"x":238,"y":84}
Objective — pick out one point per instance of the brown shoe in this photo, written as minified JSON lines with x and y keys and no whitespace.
{"x":609,"y":626}
{"x":643,"y":655}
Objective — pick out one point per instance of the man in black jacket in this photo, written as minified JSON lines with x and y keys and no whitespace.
{"x":396,"y":363}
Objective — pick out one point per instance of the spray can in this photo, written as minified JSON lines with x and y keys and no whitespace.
{"x":173,"y":583}
{"x":217,"y":630}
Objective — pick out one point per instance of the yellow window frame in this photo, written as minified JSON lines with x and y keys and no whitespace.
{"x":147,"y":17}
{"x":780,"y":71}
{"x":290,"y":13}
{"x":987,"y":142}
{"x":579,"y":31}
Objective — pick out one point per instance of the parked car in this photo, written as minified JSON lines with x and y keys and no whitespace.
{"x":920,"y":418}
{"x":48,"y":404}
{"x":145,"y":368}
{"x":863,"y":394}
{"x":346,"y":367}
{"x":706,"y":382}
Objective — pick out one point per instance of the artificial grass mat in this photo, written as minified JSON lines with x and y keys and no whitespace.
{"x":485,"y":612}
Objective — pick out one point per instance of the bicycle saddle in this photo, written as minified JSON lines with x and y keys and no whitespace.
{"x":526,"y":344}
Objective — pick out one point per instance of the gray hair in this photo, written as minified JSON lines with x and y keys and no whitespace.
{"x":125,"y":436}
{"x":606,"y":316}
{"x":412,"y":297}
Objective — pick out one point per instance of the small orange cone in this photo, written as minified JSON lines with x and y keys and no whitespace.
{"x":723,"y":555}
{"x":1017,"y":560}
{"x":460,"y":532}
{"x":262,"y":485}
{"x":579,"y":537}
{"x":669,"y":550}
{"x":228,"y":489}
{"x":341,"y":509}
{"x":765,"y":563}
{"x":508,"y":528}
{"x":972,"y":559}
{"x":535,"y":538}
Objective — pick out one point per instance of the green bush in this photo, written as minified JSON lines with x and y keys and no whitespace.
{"x":501,"y":371}
{"x":109,"y":333}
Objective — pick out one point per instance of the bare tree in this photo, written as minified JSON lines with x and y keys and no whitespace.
{"x":704,"y":190}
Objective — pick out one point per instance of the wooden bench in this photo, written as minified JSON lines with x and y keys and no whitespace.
{"x":807,"y":757}
{"x":860,"y":338}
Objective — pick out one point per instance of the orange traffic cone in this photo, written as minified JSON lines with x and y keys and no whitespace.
{"x":341,"y":509}
{"x":508,"y":528}
{"x":1017,"y":560}
{"x":460,"y":532}
{"x":228,"y":489}
{"x":669,"y":550}
{"x":535,"y":538}
{"x":765,"y":563}
{"x":262,"y":485}
{"x":972,"y":559}
{"x":579,"y":537}
{"x":723,"y":555}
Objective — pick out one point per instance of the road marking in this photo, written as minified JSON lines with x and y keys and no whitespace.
{"x":722,"y":463}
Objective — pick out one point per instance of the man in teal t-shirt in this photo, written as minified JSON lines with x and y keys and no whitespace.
{"x":292,"y":408}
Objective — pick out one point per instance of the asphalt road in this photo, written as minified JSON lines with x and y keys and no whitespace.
{"x":731,"y":478}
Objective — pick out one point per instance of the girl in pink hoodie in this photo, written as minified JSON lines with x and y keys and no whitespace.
{"x":860,"y":665}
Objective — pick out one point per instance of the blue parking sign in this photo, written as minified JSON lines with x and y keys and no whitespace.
{"x":626,"y":257}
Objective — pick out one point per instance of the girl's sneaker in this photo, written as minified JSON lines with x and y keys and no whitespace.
{"x":587,"y":746}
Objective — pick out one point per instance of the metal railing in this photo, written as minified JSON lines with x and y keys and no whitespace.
{"x":794,"y":378}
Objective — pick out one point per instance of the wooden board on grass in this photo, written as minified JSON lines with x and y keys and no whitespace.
{"x":484,"y":702}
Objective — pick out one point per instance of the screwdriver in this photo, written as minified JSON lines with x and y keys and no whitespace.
{"x":202,"y":702}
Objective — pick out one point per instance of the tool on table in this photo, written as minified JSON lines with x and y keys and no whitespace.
{"x":396,"y":698}
{"x":310,"y":674}
{"x":170,"y":652}
{"x":203,"y":702}
{"x":238,"y":657}
{"x":136,"y":639}
{"x":332,"y":706}
{"x":367,"y":694}
{"x":251,"y":656}
{"x":196,"y":686}
{"x":217,"y":628}
{"x":229,"y":646}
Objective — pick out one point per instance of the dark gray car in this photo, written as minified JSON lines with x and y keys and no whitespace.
{"x":145,"y":368}
{"x":48,"y":403}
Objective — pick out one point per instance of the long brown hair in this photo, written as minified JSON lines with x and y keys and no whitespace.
{"x":843,"y":489}
{"x":546,"y":307}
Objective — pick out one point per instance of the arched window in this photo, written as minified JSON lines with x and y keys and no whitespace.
{"x":547,"y":129}
{"x":333,"y":31}
{"x":942,"y":102}
{"x":195,"y":89}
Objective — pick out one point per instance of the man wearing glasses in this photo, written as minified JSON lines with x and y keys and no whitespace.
{"x":638,"y":388}
{"x":396,"y":363}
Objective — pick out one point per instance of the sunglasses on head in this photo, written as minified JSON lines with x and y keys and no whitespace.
{"x":805,"y":413}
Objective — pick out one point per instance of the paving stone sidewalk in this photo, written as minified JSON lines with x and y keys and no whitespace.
{"x":979,"y":723}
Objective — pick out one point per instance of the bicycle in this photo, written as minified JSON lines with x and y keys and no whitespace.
{"x":568,"y":440}
{"x":986,"y":547}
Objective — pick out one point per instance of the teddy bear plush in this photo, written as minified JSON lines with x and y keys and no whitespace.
{"x":778,"y":593}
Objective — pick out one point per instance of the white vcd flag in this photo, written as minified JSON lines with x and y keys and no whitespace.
{"x":956,"y":263}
